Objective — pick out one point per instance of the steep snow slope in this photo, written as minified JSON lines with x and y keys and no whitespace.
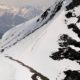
{"x":19,"y":32}
{"x":31,"y":56}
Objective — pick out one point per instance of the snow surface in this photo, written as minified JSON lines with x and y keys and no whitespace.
{"x":34,"y":50}
{"x":19,"y":32}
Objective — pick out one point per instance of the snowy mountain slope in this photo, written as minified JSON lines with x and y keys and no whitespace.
{"x":13,"y":16}
{"x":19,"y":32}
{"x":8,"y":72}
{"x":33,"y":53}
{"x":36,"y":54}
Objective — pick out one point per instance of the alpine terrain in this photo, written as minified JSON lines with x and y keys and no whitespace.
{"x":46,"y":47}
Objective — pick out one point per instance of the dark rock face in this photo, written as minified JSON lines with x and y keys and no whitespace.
{"x":50,"y":12}
{"x":65,"y":42}
{"x":69,"y":15}
{"x":75,"y":28}
{"x":45,"y":14}
{"x":73,"y":4}
{"x":78,"y":19}
{"x":65,"y":51}
{"x":72,"y":75}
{"x":57,"y":8}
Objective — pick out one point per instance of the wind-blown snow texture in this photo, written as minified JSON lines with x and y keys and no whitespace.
{"x":47,"y":47}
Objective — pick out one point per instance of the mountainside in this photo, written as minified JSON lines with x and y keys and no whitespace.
{"x":46,"y":47}
{"x":18,"y":33}
{"x":12,"y":16}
